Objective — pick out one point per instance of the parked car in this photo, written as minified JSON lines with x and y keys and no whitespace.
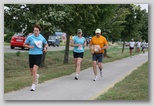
{"x":17,"y":40}
{"x":54,"y":41}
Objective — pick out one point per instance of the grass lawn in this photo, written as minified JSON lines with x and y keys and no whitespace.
{"x":62,"y":44}
{"x":6,"y":44}
{"x":16,"y":68}
{"x":133,"y":87}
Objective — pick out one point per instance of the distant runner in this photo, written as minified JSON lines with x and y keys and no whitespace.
{"x":138,"y":46}
{"x":144,"y":45}
{"x":131,"y":46}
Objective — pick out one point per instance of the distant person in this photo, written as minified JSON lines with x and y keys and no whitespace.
{"x":57,"y":41}
{"x":64,"y":37}
{"x":131,"y":46}
{"x":138,"y":46}
{"x":147,"y":46}
{"x":97,"y":45}
{"x":88,"y":41}
{"x":35,"y":44}
{"x":78,"y":42}
{"x":143,"y":44}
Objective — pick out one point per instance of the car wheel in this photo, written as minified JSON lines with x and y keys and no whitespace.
{"x":12,"y":47}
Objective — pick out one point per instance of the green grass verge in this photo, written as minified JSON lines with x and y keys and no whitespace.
{"x":62,"y":44}
{"x":133,"y":87}
{"x":6,"y":44}
{"x":16,"y":68}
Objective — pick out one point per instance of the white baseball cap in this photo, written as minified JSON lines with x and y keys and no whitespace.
{"x":98,"y":31}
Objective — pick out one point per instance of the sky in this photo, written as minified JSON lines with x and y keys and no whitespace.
{"x":143,"y":6}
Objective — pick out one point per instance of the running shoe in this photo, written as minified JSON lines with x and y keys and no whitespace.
{"x":76,"y":78}
{"x":96,"y":78}
{"x":33,"y":87}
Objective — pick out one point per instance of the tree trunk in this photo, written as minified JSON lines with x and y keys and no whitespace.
{"x":66,"y":55}
{"x":112,"y":41}
{"x":123,"y":47}
{"x":46,"y":36}
{"x":43,"y":60}
{"x":105,"y":53}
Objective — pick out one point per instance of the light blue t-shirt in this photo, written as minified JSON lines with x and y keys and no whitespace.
{"x":81,"y":41}
{"x":37,"y":42}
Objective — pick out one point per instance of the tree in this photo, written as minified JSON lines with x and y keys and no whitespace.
{"x":134,"y":22}
{"x":142,"y":24}
{"x":116,"y":20}
{"x":129,"y":25}
{"x":111,"y":18}
{"x":22,"y":18}
{"x":81,"y":16}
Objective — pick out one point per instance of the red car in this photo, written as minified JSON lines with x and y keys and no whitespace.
{"x":17,"y":40}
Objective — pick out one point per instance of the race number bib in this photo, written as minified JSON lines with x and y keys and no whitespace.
{"x":96,"y":48}
{"x":38,"y":44}
{"x":80,"y":47}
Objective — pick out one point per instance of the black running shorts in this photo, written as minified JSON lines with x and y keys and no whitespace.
{"x":34,"y":60}
{"x":78,"y":55}
{"x":131,"y":48}
{"x":97,"y":57}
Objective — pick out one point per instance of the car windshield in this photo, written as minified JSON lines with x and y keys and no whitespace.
{"x":51,"y":38}
{"x":19,"y":34}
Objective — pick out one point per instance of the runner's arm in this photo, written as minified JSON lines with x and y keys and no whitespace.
{"x":105,"y":47}
{"x":73,"y":45}
{"x":85,"y":43}
{"x":45,"y":47}
{"x":27,"y":46}
{"x":90,"y":46}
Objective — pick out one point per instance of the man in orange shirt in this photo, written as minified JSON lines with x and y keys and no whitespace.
{"x":97,"y":45}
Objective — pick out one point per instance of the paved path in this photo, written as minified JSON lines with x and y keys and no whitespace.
{"x":66,"y":88}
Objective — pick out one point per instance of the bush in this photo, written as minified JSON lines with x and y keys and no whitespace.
{"x":8,"y":37}
{"x":18,"y":53}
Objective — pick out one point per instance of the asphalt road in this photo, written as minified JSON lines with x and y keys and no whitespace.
{"x":50,"y":48}
{"x":67,"y":88}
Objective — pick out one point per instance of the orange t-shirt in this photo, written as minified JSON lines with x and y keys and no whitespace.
{"x":98,"y":42}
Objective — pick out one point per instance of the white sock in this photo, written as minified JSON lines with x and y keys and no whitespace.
{"x":77,"y":75}
{"x":33,"y":86}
